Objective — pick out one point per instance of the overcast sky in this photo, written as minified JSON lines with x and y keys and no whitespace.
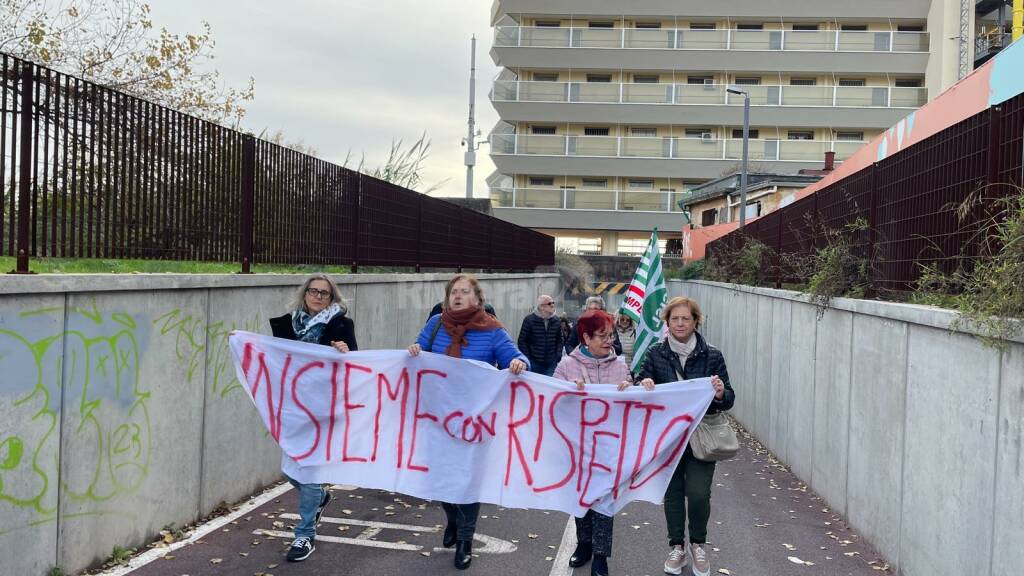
{"x":352,"y":75}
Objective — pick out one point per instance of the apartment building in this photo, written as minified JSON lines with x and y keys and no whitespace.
{"x":611,"y":112}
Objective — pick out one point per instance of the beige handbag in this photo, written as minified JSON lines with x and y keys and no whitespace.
{"x":714,"y":439}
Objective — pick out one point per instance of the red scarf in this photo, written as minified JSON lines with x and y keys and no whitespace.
{"x":456,"y":322}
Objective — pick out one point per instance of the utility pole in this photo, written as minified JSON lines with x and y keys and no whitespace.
{"x":746,"y":140}
{"x":471,"y":133}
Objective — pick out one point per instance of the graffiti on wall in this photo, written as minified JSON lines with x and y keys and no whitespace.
{"x":75,"y":428}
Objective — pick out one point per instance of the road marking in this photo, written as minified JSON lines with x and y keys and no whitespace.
{"x":560,"y":567}
{"x":199,"y":532}
{"x":490,"y":544}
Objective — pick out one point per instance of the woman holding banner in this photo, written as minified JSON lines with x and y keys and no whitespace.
{"x":471,"y":333}
{"x":318,"y":317}
{"x":682,"y":355}
{"x":594,"y":361}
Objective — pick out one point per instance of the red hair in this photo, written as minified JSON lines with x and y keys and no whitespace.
{"x":591,"y":321}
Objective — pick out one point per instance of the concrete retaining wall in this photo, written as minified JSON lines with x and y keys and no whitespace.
{"x":119,"y":409}
{"x":914,"y":433}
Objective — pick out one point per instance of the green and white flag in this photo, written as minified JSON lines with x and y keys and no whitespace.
{"x":645,"y":298}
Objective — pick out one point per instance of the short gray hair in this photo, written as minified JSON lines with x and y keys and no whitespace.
{"x":594,"y":300}
{"x":299,"y":300}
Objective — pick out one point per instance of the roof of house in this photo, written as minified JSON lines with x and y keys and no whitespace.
{"x":755,"y":181}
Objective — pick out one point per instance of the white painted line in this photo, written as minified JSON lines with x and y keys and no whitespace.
{"x":199,"y":532}
{"x":367,"y":523}
{"x":368,"y":534}
{"x":341,"y":540}
{"x":560,"y":566}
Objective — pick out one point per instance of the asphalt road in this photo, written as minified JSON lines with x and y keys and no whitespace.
{"x":765,"y":522}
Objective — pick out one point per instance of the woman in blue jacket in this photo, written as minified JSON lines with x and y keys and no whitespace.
{"x":471,"y":333}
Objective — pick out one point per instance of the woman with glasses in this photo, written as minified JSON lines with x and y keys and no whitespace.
{"x":464,"y":330}
{"x":318,"y":317}
{"x":594,"y":361}
{"x":682,"y":355}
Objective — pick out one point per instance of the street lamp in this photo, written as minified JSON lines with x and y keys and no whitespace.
{"x":746,"y":138}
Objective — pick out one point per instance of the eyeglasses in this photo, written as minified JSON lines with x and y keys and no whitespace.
{"x":606,"y":337}
{"x":552,"y":303}
{"x":320,"y":294}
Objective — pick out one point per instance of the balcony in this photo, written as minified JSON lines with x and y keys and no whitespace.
{"x":587,"y":199}
{"x":721,"y":39}
{"x":668,"y":148}
{"x":709,"y":94}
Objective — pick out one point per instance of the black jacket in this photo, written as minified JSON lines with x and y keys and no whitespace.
{"x":437,"y":310}
{"x":542,"y":345}
{"x":574,"y":341}
{"x":661,"y":365}
{"x":340,"y":328}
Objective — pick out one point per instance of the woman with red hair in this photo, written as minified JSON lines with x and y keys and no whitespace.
{"x":594,"y":362}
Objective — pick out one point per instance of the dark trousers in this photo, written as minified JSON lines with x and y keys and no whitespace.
{"x":545,"y":369}
{"x":464,"y":518}
{"x":595,"y":528}
{"x":689,"y":498}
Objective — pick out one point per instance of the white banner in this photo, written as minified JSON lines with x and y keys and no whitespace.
{"x":460,"y":431}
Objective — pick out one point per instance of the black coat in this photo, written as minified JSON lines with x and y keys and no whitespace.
{"x":661,"y":365}
{"x":574,"y":340}
{"x":541,"y":344}
{"x":340,"y":328}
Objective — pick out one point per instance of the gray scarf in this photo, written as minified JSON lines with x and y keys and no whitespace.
{"x":682,"y":349}
{"x":310,"y":328}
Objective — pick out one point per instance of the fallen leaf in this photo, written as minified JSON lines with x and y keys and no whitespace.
{"x":531,"y":536}
{"x":789,"y":547}
{"x":724,"y":571}
{"x":548,"y":558}
{"x":795,"y":560}
{"x":216,"y":560}
{"x":424,"y":553}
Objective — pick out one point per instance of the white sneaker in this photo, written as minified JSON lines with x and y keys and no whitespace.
{"x":676,"y":560}
{"x":701,"y":565}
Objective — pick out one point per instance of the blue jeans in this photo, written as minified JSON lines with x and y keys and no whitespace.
{"x":545,"y":369}
{"x":310,"y":498}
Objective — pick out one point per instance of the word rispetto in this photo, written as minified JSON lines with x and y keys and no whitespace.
{"x":460,"y":431}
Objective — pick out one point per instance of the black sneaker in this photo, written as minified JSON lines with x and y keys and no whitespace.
{"x":300,"y":549}
{"x":323,"y":505}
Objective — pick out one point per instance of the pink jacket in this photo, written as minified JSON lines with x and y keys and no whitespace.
{"x":611,"y":369}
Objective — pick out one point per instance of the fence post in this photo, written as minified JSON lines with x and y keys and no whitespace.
{"x":25,"y":170}
{"x":778,"y":255}
{"x":872,"y":290}
{"x":245,"y":224}
{"x":355,"y":244}
{"x":419,"y":231}
{"x":988,"y":208}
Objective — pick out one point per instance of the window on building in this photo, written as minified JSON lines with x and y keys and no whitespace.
{"x":595,"y":130}
{"x":909,"y":28}
{"x":750,"y":26}
{"x":855,"y":27}
{"x":753,"y":209}
{"x":852,"y":82}
{"x":805,"y":27}
{"x":850,"y":135}
{"x":738,"y":133}
{"x":601,"y":24}
{"x":748,"y":81}
{"x":646,"y":78}
{"x":632,"y":246}
{"x":548,"y":24}
{"x":702,"y":26}
{"x":588,"y":246}
{"x":543,"y":130}
{"x":643,"y":131}
{"x":709,"y":217}
{"x":542,"y":180}
{"x":700,"y":79}
{"x":908,"y":82}
{"x":545,"y":76}
{"x":599,"y":77}
{"x":802,"y":81}
{"x":648,"y":25}
{"x":801,"y":135}
{"x":595,"y":182}
{"x":641,"y":184}
{"x":698,"y":132}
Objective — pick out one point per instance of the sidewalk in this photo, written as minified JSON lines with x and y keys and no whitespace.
{"x":764,"y":522}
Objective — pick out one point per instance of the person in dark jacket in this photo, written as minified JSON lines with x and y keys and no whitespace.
{"x":593,"y":303}
{"x":682,"y":355}
{"x":464,"y":330}
{"x":540,"y":337}
{"x":318,"y":317}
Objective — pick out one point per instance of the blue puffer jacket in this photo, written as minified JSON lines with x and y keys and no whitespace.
{"x":490,"y":346}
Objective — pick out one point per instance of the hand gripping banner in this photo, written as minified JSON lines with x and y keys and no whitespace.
{"x":460,"y":431}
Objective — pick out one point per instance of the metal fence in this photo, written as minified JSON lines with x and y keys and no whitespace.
{"x":90,"y":172}
{"x":908,"y":203}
